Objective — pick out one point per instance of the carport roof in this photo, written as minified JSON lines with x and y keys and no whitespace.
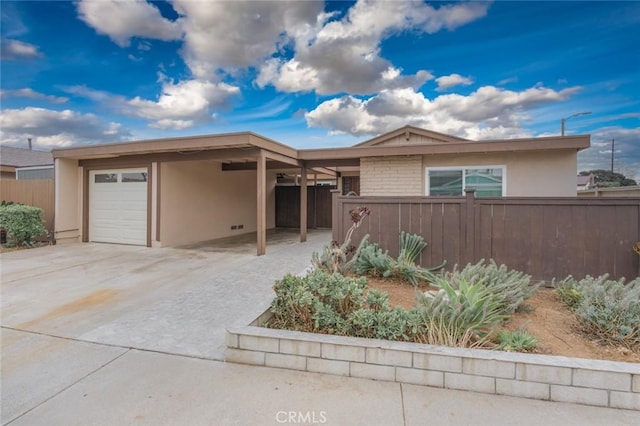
{"x":181,"y":144}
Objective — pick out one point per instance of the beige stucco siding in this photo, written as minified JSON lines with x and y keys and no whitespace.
{"x":68,"y":205}
{"x":387,"y":176}
{"x":529,"y":174}
{"x":199,"y":202}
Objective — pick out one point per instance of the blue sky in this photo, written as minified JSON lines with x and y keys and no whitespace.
{"x":321,"y":74}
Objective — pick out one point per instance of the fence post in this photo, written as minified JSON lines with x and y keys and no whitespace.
{"x":336,"y":216}
{"x":470,"y":225}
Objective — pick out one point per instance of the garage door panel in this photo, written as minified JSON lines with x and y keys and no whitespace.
{"x":118,"y":206}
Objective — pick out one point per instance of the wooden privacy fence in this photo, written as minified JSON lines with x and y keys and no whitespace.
{"x":38,"y":193}
{"x":544,"y":237}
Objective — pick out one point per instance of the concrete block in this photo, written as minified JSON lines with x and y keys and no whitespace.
{"x":625,"y":400}
{"x":543,"y":374}
{"x":636,"y":383}
{"x":257,"y":343}
{"x":240,"y":356}
{"x":231,"y":340}
{"x":292,"y":362}
{"x":522,"y":389}
{"x":469,"y":382}
{"x":437,"y":362}
{"x":328,"y":366}
{"x":388,"y":357}
{"x":416,"y":376}
{"x":587,"y":396}
{"x":369,"y":371}
{"x":343,"y":352}
{"x":297,"y":347}
{"x":489,"y":367}
{"x":602,"y":380}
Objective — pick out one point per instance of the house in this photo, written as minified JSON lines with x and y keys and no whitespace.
{"x":176,"y":191}
{"x":585,"y":182}
{"x":23,"y":164}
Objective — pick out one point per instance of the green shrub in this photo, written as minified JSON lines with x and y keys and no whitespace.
{"x":371,"y":260}
{"x":608,"y":310}
{"x":511,"y":287}
{"x":516,"y":341}
{"x":465,"y":315}
{"x":22,"y":223}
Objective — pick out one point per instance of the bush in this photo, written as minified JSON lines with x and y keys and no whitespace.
{"x":465,"y":315}
{"x":608,"y":310}
{"x":516,"y":341}
{"x":22,"y":223}
{"x":511,"y":287}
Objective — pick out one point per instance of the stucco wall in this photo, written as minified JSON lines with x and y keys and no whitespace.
{"x":68,"y":205}
{"x":201,"y":202}
{"x":529,"y":174}
{"x":396,"y":175}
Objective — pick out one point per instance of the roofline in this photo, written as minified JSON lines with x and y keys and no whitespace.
{"x":578,"y":142}
{"x":186,"y":143}
{"x":413,"y":129}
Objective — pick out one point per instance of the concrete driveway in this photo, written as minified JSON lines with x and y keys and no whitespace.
{"x":115,"y":335}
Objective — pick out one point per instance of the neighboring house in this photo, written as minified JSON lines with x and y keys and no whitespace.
{"x":616,"y":191}
{"x":178,"y":191}
{"x":24,"y":164}
{"x":585,"y":182}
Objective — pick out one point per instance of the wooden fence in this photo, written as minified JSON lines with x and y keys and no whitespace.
{"x":38,"y":193}
{"x":544,"y":237}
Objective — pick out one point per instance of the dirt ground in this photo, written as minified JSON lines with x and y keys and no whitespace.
{"x":548,"y":320}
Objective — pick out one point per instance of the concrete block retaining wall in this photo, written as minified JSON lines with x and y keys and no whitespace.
{"x":552,"y":378}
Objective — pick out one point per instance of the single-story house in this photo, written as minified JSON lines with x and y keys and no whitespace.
{"x":23,"y":164}
{"x":176,"y":191}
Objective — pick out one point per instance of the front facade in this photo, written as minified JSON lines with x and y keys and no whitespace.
{"x":173,"y":192}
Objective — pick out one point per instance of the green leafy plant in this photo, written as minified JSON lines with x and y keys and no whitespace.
{"x":608,"y":310}
{"x":511,"y":287}
{"x":465,"y":315}
{"x":22,"y":223}
{"x":372,"y":260}
{"x":340,"y":258}
{"x":516,"y":341}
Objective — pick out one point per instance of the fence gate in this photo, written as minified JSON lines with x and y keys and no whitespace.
{"x":318,"y":206}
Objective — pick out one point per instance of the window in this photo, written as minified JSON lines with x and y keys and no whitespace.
{"x":134,"y":177}
{"x":488,"y":181}
{"x":106,"y":178}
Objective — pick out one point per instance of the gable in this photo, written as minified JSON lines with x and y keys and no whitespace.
{"x":410,"y":135}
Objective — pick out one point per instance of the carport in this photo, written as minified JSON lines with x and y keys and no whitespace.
{"x":176,"y":191}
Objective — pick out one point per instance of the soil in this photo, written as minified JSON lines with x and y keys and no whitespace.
{"x":547,"y":319}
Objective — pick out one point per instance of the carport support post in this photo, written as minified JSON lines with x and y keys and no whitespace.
{"x":261,"y":222}
{"x":303,"y":204}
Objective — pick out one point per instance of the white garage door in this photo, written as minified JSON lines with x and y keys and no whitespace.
{"x":118,"y":206}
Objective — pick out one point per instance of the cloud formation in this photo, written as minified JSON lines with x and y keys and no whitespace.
{"x":488,"y":113}
{"x":343,"y":56}
{"x":11,"y":50}
{"x":449,"y":81}
{"x":122,"y":20}
{"x":32,"y":94}
{"x":627,"y":151}
{"x":56,"y":129}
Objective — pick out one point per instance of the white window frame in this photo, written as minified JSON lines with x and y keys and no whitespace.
{"x":427,"y":185}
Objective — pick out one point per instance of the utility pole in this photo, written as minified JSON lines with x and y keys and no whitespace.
{"x":613,"y":150}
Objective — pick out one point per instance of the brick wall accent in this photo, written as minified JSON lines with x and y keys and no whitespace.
{"x":394,"y":176}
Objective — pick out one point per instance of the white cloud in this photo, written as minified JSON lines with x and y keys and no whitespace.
{"x":626,"y":156}
{"x":15,"y":49}
{"x":236,"y":35}
{"x":487,"y":113}
{"x":344,"y":55}
{"x":54,"y":129}
{"x":32,"y":94}
{"x":181,"y":104}
{"x":449,"y":81}
{"x":121,"y":20}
